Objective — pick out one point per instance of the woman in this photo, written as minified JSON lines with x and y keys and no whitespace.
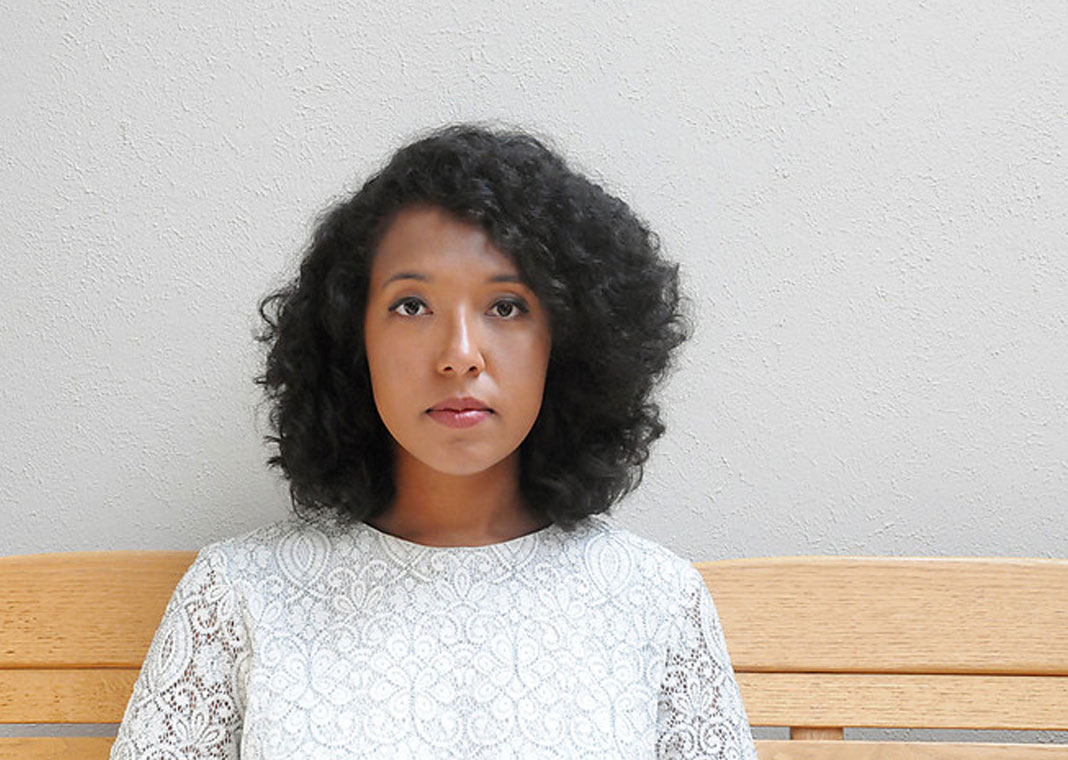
{"x":460,"y":378}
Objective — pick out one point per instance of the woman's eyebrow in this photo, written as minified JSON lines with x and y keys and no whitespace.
{"x":407,"y":276}
{"x":427,"y":278}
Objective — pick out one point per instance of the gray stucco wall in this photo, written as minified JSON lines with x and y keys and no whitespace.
{"x":870,"y":203}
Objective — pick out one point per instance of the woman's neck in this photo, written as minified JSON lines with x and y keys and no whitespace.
{"x":440,"y":509}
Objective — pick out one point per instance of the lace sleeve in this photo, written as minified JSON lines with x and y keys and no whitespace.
{"x":188,"y":700}
{"x":700,"y":713}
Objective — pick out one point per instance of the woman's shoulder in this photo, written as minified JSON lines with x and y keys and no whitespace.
{"x":610,"y":550}
{"x":606,"y":529}
{"x":300,"y":545}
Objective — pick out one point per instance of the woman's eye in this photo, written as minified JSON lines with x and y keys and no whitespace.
{"x":508,"y":309}
{"x":409,"y":307}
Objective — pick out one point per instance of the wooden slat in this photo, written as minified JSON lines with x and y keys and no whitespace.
{"x":96,"y":748}
{"x":846,"y":614}
{"x":789,"y":750}
{"x":905,"y":701}
{"x":808,"y":733}
{"x":84,"y":609}
{"x":65,"y":696}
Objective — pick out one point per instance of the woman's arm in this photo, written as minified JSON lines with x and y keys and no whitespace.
{"x":188,"y":701}
{"x":700,"y":712}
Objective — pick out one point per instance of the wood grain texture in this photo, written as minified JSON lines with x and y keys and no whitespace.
{"x":96,"y":748}
{"x":84,"y":609}
{"x":887,"y":615}
{"x":832,"y":750}
{"x":905,"y":701}
{"x":809,"y":733}
{"x":65,"y":696}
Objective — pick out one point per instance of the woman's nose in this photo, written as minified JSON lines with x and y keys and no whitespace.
{"x":462,"y":350}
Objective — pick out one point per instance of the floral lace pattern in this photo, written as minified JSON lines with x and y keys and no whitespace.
{"x":323,"y":640}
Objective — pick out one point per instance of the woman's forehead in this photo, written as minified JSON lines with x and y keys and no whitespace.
{"x":423,"y":243}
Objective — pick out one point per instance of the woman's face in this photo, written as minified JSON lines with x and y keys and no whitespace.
{"x":457,"y":345}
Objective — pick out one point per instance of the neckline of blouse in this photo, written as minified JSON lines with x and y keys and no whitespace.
{"x":538,"y":534}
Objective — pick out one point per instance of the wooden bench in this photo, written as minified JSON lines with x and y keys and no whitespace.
{"x":819,"y":644}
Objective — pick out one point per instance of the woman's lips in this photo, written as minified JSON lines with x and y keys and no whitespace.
{"x":459,"y":418}
{"x":459,"y":412}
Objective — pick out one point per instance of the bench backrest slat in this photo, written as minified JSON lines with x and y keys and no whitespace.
{"x":885,"y":700}
{"x":84,"y":609}
{"x":62,"y":695}
{"x":54,"y":748}
{"x":893,"y":615}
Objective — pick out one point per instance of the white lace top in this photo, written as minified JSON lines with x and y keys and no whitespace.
{"x":319,"y":640}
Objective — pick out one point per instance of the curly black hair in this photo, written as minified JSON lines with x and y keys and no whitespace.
{"x":616,"y":317}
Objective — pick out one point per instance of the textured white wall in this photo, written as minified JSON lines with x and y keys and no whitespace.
{"x":869,"y":201}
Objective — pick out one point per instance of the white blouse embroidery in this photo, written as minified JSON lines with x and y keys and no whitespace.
{"x":316,"y":639}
